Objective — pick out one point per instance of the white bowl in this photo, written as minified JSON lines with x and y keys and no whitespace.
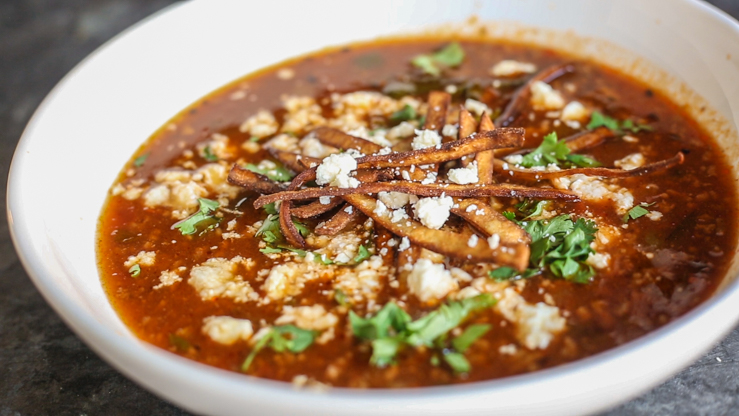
{"x":91,"y":123}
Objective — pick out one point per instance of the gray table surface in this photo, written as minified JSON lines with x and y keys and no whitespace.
{"x":46,"y":369}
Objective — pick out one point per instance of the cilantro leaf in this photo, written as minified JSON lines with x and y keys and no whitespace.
{"x":181,"y":344}
{"x":208,"y":155}
{"x":340,"y":297}
{"x":390,"y":319}
{"x":510,"y":215}
{"x":449,"y":56}
{"x":270,"y":250}
{"x":469,"y":336}
{"x":203,"y":218}
{"x":302,"y":229}
{"x":404,"y":114}
{"x":279,"y":173}
{"x":362,"y":254}
{"x":135,"y":270}
{"x":554,"y":151}
{"x":280,"y":339}
{"x":458,"y":362}
{"x":583,"y":161}
{"x":636,"y":212}
{"x":139,"y":161}
{"x":525,"y":207}
{"x":502,"y":273}
{"x":598,"y":119}
{"x":270,"y":208}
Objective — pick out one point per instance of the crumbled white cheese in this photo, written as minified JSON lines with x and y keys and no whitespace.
{"x":472,"y":242}
{"x":169,"y":277}
{"x":307,"y":317}
{"x":630,"y":139}
{"x":375,"y":136}
{"x":544,"y":97}
{"x":508,"y":349}
{"x":654,"y":215}
{"x":394,"y":200}
{"x":425,"y":138}
{"x":632,"y":161}
{"x":476,"y":107}
{"x":536,"y":325}
{"x":144,"y":258}
{"x":260,"y":125}
{"x":216,"y":278}
{"x":599,"y":260}
{"x":429,"y":179}
{"x":335,"y":171}
{"x":494,"y":241}
{"x":401,"y":131}
{"x":312,"y":147}
{"x":325,"y":200}
{"x":509,"y":67}
{"x":594,"y":189}
{"x":284,"y":143}
{"x":430,"y":281}
{"x":227,"y":330}
{"x":405,"y":243}
{"x":380,"y":209}
{"x":450,"y":130}
{"x":399,"y":215}
{"x":574,"y":111}
{"x":514,"y":159}
{"x":433,"y":212}
{"x":464,"y":176}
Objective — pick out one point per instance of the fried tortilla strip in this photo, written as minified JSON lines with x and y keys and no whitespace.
{"x":289,"y":231}
{"x":253,"y":181}
{"x":340,"y":140}
{"x":438,"y":103}
{"x":534,"y":175}
{"x":520,"y":98}
{"x":496,"y":139}
{"x":489,"y":221}
{"x":343,"y":217}
{"x":316,"y":208}
{"x":485,"y":159}
{"x":415,"y":188}
{"x":294,"y":161}
{"x":467,"y":126}
{"x":382,"y":239}
{"x":450,"y":243}
{"x":580,"y":141}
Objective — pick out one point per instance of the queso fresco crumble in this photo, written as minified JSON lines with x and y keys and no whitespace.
{"x":416,"y":212}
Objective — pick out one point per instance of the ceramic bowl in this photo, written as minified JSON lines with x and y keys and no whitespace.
{"x":99,"y":114}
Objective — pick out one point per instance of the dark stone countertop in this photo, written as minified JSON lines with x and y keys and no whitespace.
{"x":46,"y":369}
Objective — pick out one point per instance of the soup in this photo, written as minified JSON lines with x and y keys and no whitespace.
{"x":416,"y":212}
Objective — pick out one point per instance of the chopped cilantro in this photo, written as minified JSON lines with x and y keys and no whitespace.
{"x":340,"y":297}
{"x":553,"y":151}
{"x":139,"y":161}
{"x":208,"y":155}
{"x":323,"y":259}
{"x":302,"y":229}
{"x":135,"y":270}
{"x":404,"y":114}
{"x":280,"y":339}
{"x":392,"y":328}
{"x":525,"y":207}
{"x":457,"y":362}
{"x":562,"y":245}
{"x":510,"y":215}
{"x":598,"y":119}
{"x":449,"y":56}
{"x":503,"y":273}
{"x":254,"y":139}
{"x":181,"y":344}
{"x":270,"y":250}
{"x":362,"y":254}
{"x":469,"y":336}
{"x":203,"y":218}
{"x":637,"y":212}
{"x":270,"y":208}
{"x":279,"y":173}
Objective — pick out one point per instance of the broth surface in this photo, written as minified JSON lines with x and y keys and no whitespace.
{"x":658,"y":266}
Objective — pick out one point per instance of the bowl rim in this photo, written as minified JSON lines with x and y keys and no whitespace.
{"x":106,"y":341}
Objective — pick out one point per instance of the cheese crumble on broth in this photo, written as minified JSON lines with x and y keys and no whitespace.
{"x":372,"y":217}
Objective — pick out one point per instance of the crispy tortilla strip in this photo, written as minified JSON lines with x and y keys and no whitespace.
{"x":289,"y":231}
{"x":496,"y":139}
{"x":489,"y":221}
{"x":253,"y":181}
{"x":520,"y":98}
{"x":485,"y":159}
{"x":382,"y":239}
{"x":438,"y":103}
{"x":375,"y":175}
{"x":467,"y":126}
{"x":534,"y":175}
{"x":415,"y":188}
{"x":450,"y":243}
{"x":294,"y":161}
{"x":316,"y":208}
{"x":339,"y":221}
{"x":340,"y":140}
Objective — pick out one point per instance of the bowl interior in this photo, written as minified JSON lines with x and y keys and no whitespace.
{"x":92,"y":122}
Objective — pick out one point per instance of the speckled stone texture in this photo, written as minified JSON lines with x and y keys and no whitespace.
{"x":45,"y":369}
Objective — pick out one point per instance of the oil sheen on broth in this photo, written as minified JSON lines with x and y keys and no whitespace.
{"x":191,"y":266}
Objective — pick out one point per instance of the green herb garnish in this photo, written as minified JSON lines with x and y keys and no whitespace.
{"x":281,"y":339}
{"x":449,"y":56}
{"x":562,"y":245}
{"x":181,"y":344}
{"x":637,"y":212}
{"x":404,"y":114}
{"x":392,"y":328}
{"x":503,"y":273}
{"x":203,"y":219}
{"x":139,"y":161}
{"x":362,"y":255}
{"x":208,"y":155}
{"x":553,"y":151}
{"x":469,"y":336}
{"x":135,"y":270}
{"x":598,"y":119}
{"x":279,"y":173}
{"x":531,"y":207}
